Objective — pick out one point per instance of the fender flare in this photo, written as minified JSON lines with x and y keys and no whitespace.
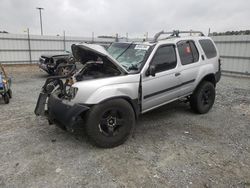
{"x":133,"y":102}
{"x":209,"y":77}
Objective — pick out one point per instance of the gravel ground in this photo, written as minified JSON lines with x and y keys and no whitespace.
{"x":171,"y":146}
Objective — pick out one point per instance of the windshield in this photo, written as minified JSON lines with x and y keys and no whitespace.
{"x":129,"y":55}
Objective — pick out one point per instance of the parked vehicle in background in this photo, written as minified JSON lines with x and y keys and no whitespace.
{"x":50,"y":63}
{"x":116,"y":85}
{"x":5,"y":83}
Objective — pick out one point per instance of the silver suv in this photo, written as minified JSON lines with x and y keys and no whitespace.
{"x":116,"y":85}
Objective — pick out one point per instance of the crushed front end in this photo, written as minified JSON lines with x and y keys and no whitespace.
{"x":54,"y":101}
{"x":58,"y":93}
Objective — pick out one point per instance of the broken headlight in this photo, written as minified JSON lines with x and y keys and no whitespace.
{"x":72,"y":92}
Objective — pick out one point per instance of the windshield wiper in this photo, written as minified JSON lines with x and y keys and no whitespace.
{"x":133,"y":67}
{"x":124,"y":50}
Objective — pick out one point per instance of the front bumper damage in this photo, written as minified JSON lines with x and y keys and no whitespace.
{"x":64,"y":112}
{"x":42,"y":65}
{"x":58,"y":110}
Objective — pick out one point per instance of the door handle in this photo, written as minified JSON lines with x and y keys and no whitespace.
{"x":177,"y":74}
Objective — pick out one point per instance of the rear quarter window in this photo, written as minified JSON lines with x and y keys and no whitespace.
{"x":208,"y":48}
{"x":188,"y":52}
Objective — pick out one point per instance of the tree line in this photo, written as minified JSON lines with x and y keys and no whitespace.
{"x":241,"y":32}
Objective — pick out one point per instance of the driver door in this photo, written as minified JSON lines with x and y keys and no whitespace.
{"x":163,"y":86}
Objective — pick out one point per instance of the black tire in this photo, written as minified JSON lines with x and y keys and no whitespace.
{"x":109,"y":124}
{"x":203,"y":98}
{"x":10,"y":93}
{"x":6,"y":98}
{"x":62,"y":71}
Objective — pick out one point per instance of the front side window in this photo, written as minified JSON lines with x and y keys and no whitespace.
{"x":188,"y":52}
{"x":165,"y":58}
{"x":208,"y":48}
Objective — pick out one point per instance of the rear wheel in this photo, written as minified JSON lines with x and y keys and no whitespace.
{"x":203,"y":98}
{"x":10,"y":93}
{"x":6,"y":98}
{"x":109,"y":124}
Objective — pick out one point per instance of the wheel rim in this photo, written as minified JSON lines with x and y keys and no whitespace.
{"x":206,"y":97}
{"x":64,"y":71}
{"x":111,"y":122}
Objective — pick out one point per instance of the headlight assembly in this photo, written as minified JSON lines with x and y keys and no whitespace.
{"x":72,"y":92}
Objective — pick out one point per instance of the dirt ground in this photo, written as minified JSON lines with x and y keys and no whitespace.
{"x":171,"y":146}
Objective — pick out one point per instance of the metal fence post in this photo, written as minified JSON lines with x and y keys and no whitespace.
{"x":116,"y":37}
{"x":93,"y":37}
{"x":30,"y":58}
{"x":64,"y":41}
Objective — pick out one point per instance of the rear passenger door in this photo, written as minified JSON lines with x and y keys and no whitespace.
{"x":190,"y":63}
{"x":163,"y":87}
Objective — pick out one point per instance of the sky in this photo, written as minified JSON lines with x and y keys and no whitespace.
{"x":135,"y":17}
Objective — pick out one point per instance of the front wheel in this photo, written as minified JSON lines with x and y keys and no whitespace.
{"x":109,"y":124}
{"x":203,"y":98}
{"x":62,"y":69}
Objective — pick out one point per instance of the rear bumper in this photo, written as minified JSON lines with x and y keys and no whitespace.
{"x":217,"y":76}
{"x":64,"y":112}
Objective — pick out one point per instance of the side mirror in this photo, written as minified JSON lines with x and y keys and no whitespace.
{"x":151,"y":71}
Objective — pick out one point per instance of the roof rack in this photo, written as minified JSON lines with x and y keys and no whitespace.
{"x":175,"y":33}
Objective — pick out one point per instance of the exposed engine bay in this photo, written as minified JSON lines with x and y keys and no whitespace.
{"x":88,"y":64}
{"x":96,"y":69}
{"x":95,"y":65}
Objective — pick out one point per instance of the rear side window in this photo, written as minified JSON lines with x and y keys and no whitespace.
{"x":188,"y":52}
{"x":208,"y":48}
{"x":165,"y":58}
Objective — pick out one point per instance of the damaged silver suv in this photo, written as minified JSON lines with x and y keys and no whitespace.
{"x":116,"y":85}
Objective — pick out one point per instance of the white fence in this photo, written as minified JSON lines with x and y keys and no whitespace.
{"x":18,"y":49}
{"x":235,"y":53}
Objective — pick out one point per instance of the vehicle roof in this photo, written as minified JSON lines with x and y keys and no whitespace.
{"x":137,"y":42}
{"x":175,"y":40}
{"x":172,"y":40}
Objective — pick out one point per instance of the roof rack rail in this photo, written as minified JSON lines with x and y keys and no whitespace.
{"x":174,"y":33}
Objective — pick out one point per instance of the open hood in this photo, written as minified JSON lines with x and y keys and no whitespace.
{"x":84,"y":52}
